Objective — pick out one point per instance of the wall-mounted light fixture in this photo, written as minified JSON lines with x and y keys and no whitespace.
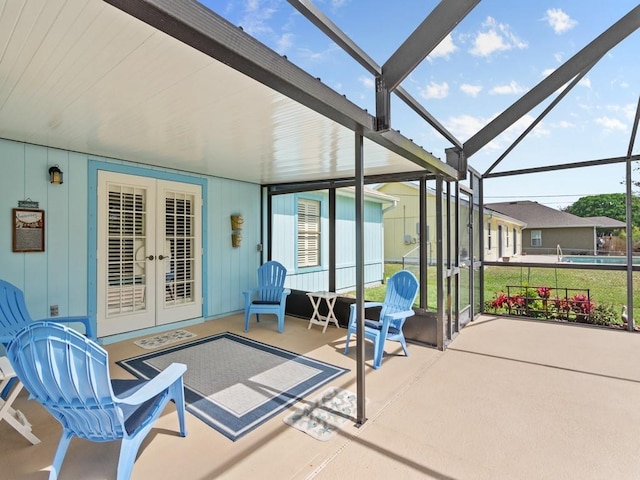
{"x":55,"y":175}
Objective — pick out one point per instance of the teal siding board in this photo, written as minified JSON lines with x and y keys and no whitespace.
{"x":35,"y":263}
{"x":58,"y":215}
{"x":77,"y":243}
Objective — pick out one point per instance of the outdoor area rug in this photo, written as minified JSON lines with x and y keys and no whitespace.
{"x":164,"y":339}
{"x":324,"y":415}
{"x":233,"y":383}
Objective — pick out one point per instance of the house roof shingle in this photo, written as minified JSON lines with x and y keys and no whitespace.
{"x":536,"y":215}
{"x":606,"y":222}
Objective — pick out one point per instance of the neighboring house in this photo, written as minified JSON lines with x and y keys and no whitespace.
{"x":503,"y":234}
{"x":547,"y":228}
{"x":304,"y":217}
{"x":401,"y":224}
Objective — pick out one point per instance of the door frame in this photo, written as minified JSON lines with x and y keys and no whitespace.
{"x":92,"y":194}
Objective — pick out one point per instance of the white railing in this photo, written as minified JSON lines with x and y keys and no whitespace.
{"x":559,"y":253}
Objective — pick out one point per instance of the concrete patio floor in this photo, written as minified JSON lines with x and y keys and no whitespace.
{"x":510,"y":399}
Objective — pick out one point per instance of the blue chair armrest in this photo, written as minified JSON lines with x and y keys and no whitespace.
{"x":248,"y":294}
{"x":400,"y":315}
{"x":88,"y":329}
{"x":156,"y":385}
{"x":367,"y":305}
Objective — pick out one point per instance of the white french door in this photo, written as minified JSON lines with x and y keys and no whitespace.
{"x":149,"y":252}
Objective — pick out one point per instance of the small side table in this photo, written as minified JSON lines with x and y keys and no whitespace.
{"x":15,"y":418}
{"x":317,"y":319}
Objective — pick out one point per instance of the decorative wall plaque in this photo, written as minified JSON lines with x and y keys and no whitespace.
{"x":28,"y":230}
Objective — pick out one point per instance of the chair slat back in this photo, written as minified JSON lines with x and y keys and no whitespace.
{"x":402,"y":290}
{"x":69,"y":375}
{"x":13,"y":311}
{"x":271,"y":278}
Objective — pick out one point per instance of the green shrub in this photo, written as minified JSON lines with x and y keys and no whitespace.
{"x":604,"y":314}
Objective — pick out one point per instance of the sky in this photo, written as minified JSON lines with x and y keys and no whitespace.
{"x":498,"y":52}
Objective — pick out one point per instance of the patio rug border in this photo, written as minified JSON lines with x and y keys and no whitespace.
{"x":230,"y":425}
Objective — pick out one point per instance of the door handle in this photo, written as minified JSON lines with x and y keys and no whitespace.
{"x":150,"y":257}
{"x":161,"y":257}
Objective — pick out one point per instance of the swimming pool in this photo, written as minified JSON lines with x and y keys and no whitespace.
{"x":599,"y":259}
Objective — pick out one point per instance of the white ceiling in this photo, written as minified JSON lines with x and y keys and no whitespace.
{"x":84,"y":76}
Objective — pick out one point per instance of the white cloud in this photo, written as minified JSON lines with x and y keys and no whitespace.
{"x":585,"y":82}
{"x":611,"y":124}
{"x":559,"y":21}
{"x":256,"y":17}
{"x":558,"y":57}
{"x":471,"y":90}
{"x":548,"y":71}
{"x":465,"y":126}
{"x":488,"y":42}
{"x":284,"y":43}
{"x":434,"y":90}
{"x":367,"y":82}
{"x":444,"y":49}
{"x":565,"y":124}
{"x":510,"y":89}
{"x":628,"y":110}
{"x":495,"y":37}
{"x":514,"y":131}
{"x":321,"y":56}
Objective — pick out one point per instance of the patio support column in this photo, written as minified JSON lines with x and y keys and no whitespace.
{"x":440,"y":333}
{"x":332,"y":239}
{"x":456,"y":260}
{"x":269,"y":221}
{"x":359,"y":206}
{"x":448,"y":319}
{"x":424,"y":242}
{"x":630,"y":322}
{"x":480,"y":253}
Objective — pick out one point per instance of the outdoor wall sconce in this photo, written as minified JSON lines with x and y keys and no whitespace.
{"x":236,"y":228}
{"x":55,"y":175}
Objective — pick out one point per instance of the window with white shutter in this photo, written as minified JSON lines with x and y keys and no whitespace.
{"x":308,"y":233}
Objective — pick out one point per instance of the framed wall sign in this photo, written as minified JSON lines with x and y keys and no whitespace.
{"x":28,"y":230}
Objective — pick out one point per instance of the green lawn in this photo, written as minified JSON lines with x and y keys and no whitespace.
{"x":607,"y":287}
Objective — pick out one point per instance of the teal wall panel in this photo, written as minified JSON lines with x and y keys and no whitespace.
{"x":58,"y":205}
{"x":63,"y":274}
{"x":77,"y":238}
{"x":35,"y":263}
{"x":12,"y":189}
{"x":312,"y":279}
{"x":232,"y":270}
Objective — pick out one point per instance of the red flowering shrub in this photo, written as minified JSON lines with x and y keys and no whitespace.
{"x":538,"y":302}
{"x":544,"y":292}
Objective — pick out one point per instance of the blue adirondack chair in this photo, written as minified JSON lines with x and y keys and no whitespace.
{"x":402,"y":289}
{"x":270,"y":296}
{"x":14,"y":314}
{"x":69,"y":375}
